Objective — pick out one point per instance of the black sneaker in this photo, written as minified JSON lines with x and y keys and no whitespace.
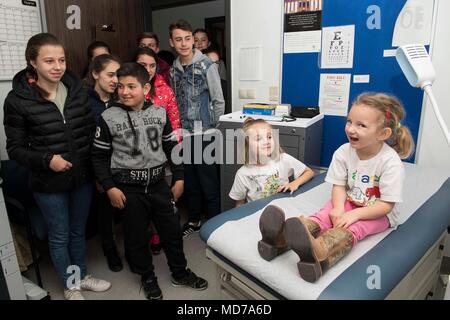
{"x":190,"y":280}
{"x":114,"y":262}
{"x":151,"y":288}
{"x":191,"y":227}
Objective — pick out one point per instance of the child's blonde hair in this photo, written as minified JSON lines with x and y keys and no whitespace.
{"x":250,"y":122}
{"x":393,"y":113}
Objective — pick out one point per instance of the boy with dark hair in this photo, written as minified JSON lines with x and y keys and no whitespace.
{"x":196,"y":84}
{"x":132,"y":144}
{"x":150,"y":40}
{"x":201,"y":39}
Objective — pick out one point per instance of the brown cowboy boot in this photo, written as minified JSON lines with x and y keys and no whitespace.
{"x":312,"y":226}
{"x":271,"y":224}
{"x":316,"y":255}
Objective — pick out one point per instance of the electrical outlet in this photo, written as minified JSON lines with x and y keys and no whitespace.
{"x":273,"y":94}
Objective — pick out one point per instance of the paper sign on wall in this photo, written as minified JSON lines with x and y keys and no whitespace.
{"x":334,"y":94}
{"x":302,"y":26}
{"x":337,"y":47}
{"x":19,"y":20}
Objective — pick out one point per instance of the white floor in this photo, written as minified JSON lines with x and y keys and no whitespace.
{"x":126,"y":285}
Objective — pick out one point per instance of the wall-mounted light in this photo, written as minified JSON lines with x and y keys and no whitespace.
{"x":418,"y":69}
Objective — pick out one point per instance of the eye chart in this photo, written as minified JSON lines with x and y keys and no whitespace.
{"x":19,"y":20}
{"x":337,"y":47}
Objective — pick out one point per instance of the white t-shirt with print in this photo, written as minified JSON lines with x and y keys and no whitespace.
{"x":380,"y":177}
{"x":255,"y":182}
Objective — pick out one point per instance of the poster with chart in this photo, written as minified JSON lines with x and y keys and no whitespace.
{"x":19,"y":20}
{"x":337,"y":47}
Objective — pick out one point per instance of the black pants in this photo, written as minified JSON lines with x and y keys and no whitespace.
{"x":105,"y":213}
{"x":139,"y":209}
{"x":201,"y":182}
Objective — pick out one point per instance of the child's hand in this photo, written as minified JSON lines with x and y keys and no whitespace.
{"x":117,"y":198}
{"x":347,"y":219}
{"x":59,"y":164}
{"x":335,"y":215}
{"x":177,"y":190}
{"x":291,"y":186}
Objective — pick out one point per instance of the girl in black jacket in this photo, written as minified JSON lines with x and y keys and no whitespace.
{"x":102,"y":81}
{"x":49,"y":129}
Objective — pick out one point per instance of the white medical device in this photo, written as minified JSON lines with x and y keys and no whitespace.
{"x":418,"y":70}
{"x":283,"y":110}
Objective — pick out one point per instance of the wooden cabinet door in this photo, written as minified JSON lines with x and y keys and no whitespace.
{"x":126,"y":17}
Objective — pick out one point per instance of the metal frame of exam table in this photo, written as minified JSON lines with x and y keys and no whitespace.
{"x":418,"y":275}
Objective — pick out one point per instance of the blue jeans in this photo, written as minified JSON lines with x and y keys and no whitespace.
{"x":66,"y":214}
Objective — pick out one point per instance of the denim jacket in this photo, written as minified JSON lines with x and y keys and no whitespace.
{"x":198,"y":91}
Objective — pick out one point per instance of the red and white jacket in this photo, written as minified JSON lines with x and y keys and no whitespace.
{"x":165,"y":97}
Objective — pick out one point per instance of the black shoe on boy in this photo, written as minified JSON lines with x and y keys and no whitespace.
{"x":113,"y":259}
{"x":151,"y":287}
{"x":190,"y":280}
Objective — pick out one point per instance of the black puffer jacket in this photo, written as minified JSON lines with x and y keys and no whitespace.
{"x":35,"y":128}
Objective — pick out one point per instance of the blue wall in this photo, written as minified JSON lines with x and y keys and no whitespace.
{"x":301,"y":72}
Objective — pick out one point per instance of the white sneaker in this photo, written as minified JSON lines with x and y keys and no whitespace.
{"x":93,"y":284}
{"x":73,"y":294}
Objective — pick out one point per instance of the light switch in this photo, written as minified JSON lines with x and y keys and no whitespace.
{"x":273,"y":94}
{"x":242,"y":94}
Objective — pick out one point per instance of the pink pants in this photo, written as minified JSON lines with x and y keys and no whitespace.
{"x":359,"y":229}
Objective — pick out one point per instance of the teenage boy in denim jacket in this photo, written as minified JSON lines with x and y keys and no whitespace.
{"x":196,"y":83}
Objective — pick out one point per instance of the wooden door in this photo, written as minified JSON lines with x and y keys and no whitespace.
{"x":125,"y":16}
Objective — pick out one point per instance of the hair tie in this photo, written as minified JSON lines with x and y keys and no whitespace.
{"x":387,"y":114}
{"x":399,"y":125}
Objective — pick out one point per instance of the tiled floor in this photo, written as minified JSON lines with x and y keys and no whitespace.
{"x":125,"y":284}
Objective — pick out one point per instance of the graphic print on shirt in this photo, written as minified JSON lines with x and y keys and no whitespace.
{"x":141,"y":137}
{"x":363,"y":190}
{"x":137,"y":135}
{"x":267,"y":185}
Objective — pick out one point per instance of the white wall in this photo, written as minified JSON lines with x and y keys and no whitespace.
{"x":195,"y":14}
{"x":256,"y":23}
{"x":433,"y":149}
